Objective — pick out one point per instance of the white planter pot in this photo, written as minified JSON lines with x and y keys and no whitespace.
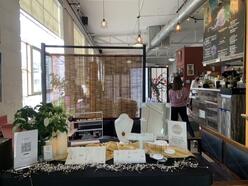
{"x":59,"y":146}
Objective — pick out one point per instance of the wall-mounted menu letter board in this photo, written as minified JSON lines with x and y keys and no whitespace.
{"x":223,"y":30}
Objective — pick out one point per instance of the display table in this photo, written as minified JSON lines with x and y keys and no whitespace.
{"x":132,"y":175}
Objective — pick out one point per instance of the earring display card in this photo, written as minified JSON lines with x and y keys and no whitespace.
{"x":86,"y":155}
{"x":129,"y":156}
{"x":25,"y":148}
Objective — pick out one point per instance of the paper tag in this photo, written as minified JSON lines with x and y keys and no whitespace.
{"x":129,"y":156}
{"x":202,"y":114}
{"x":48,"y":152}
{"x":86,"y":155}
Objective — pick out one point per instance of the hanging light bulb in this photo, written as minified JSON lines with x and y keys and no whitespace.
{"x":178,"y":27}
{"x":103,"y":22}
{"x":139,"y":39}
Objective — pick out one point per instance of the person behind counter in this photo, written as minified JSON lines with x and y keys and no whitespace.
{"x":179,"y":97}
{"x":229,"y":71}
{"x":196,"y":83}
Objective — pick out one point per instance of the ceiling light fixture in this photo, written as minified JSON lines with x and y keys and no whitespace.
{"x":139,"y":39}
{"x":178,"y":27}
{"x":103,"y":22}
{"x":171,"y":59}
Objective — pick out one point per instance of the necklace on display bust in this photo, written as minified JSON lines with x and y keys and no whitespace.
{"x":123,"y":126}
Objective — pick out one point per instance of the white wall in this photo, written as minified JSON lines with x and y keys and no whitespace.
{"x":11,"y":57}
{"x":68,"y":28}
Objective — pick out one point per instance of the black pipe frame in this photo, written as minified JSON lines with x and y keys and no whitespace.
{"x":43,"y":63}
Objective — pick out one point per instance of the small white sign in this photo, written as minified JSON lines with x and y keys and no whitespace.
{"x":202,"y":114}
{"x":48,"y":152}
{"x":25,"y":148}
{"x":86,"y":155}
{"x":177,"y":133}
{"x":129,"y":156}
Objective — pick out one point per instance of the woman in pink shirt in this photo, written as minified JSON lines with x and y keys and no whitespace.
{"x":179,"y":97}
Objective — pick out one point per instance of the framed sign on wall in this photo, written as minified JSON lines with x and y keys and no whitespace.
{"x":0,"y":76}
{"x":190,"y":70}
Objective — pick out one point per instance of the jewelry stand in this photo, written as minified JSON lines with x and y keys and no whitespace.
{"x":123,"y":126}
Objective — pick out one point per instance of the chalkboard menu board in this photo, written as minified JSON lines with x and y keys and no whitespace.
{"x":224,"y":30}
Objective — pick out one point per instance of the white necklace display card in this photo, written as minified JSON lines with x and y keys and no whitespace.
{"x":86,"y":155}
{"x":177,"y":133}
{"x":129,"y":156}
{"x":25,"y":148}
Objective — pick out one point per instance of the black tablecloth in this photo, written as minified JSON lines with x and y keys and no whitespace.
{"x":90,"y":176}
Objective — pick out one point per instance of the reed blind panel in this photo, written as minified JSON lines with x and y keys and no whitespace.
{"x":91,"y":83}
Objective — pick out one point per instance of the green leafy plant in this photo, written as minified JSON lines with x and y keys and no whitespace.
{"x":46,"y":117}
{"x":50,"y":120}
{"x":25,"y":119}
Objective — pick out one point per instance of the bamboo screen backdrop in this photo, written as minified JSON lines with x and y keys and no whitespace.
{"x":89,"y":83}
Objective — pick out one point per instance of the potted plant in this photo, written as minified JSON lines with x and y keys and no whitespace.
{"x":51,"y":122}
{"x":25,"y":119}
{"x":52,"y":125}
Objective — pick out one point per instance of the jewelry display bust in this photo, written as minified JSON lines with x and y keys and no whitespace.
{"x":123,"y":126}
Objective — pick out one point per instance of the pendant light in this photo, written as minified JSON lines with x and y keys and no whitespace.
{"x":178,"y":27}
{"x":103,"y":22}
{"x":139,"y":39}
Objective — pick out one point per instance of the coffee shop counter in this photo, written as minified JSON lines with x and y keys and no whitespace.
{"x":220,"y":110}
{"x":205,"y":107}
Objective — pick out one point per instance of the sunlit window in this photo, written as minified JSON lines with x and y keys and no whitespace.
{"x":47,"y":12}
{"x":31,"y":70}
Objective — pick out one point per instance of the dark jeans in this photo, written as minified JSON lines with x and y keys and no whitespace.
{"x":183,"y":114}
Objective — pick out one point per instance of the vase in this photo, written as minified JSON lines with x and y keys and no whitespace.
{"x":59,"y":145}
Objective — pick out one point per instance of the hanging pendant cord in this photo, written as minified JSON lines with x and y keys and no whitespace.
{"x":138,"y":17}
{"x":103,"y":10}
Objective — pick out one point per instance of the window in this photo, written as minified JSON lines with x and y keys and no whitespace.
{"x":36,"y":71}
{"x":47,"y":12}
{"x":31,"y":70}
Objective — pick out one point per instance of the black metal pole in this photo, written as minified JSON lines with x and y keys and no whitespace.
{"x":43,"y":72}
{"x":149,"y":78}
{"x":96,"y":47}
{"x":168,"y":82}
{"x":144,"y":73}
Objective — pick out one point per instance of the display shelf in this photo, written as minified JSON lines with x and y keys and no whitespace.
{"x":211,"y":102}
{"x":86,"y":130}
{"x":212,"y":109}
{"x":88,"y":125}
{"x":212,"y":119}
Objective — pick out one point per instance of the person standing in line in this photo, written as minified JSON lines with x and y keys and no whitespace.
{"x":179,"y":97}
